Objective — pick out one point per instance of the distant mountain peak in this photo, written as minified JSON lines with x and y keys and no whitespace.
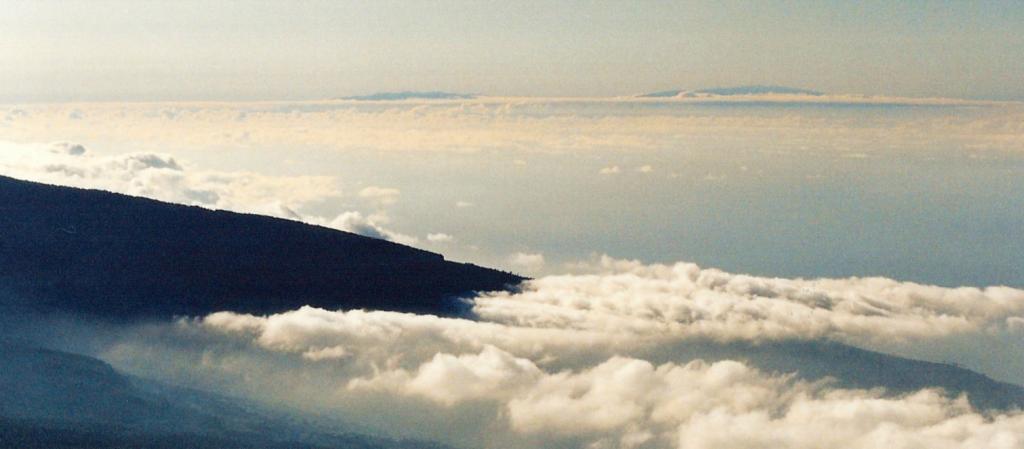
{"x":411,"y":95}
{"x":729,"y":91}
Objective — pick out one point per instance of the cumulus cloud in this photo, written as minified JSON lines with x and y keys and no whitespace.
{"x":489,"y":384}
{"x":449,"y":379}
{"x":610,"y":170}
{"x":463,"y":204}
{"x":685,"y":300}
{"x":644,"y":169}
{"x":369,"y":226}
{"x":569,"y":361}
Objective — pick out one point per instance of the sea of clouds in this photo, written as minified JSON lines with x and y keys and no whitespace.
{"x":580,"y":360}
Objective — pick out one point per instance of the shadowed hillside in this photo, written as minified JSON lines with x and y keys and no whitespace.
{"x":120,"y":256}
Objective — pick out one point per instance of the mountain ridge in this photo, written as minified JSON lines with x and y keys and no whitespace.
{"x":119,"y":256}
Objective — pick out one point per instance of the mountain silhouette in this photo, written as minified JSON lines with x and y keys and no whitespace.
{"x":118,"y":256}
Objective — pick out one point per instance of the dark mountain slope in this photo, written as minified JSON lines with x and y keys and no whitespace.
{"x":120,"y":256}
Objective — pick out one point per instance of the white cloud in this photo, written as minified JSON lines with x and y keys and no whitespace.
{"x":369,"y":226}
{"x":391,"y":370}
{"x":163,"y":177}
{"x":527,"y":262}
{"x":380,"y":196}
{"x":610,"y":170}
{"x":440,"y":237}
{"x":449,"y":379}
{"x":463,"y":204}
{"x":645,"y":169}
{"x":683,"y":299}
{"x":568,"y":362}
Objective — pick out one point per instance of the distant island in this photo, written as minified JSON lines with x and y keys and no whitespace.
{"x":729,"y":91}
{"x":411,"y":95}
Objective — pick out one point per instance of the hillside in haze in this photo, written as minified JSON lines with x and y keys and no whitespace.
{"x":54,"y":399}
{"x":119,"y":256}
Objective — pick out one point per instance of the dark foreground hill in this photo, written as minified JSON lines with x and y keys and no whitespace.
{"x":119,"y":256}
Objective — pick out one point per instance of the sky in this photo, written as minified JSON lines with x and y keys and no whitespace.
{"x":53,"y":51}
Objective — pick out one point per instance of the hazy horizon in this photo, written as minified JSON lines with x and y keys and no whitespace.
{"x":119,"y":51}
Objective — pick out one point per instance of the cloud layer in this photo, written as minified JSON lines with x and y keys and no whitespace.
{"x":684,"y":300}
{"x":567,"y":362}
{"x":523,"y":124}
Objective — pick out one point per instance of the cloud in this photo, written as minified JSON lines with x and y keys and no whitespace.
{"x":164,"y":177}
{"x":68,"y":148}
{"x":380,"y":196}
{"x":528,"y":262}
{"x":645,"y":169}
{"x":594,"y":359}
{"x":484,"y":384}
{"x":685,"y":300}
{"x":440,"y":237}
{"x":610,"y":170}
{"x":522,"y":125}
{"x":449,"y":379}
{"x":369,"y":226}
{"x":463,"y":204}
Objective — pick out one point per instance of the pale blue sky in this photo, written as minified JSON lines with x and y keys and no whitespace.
{"x":139,"y":50}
